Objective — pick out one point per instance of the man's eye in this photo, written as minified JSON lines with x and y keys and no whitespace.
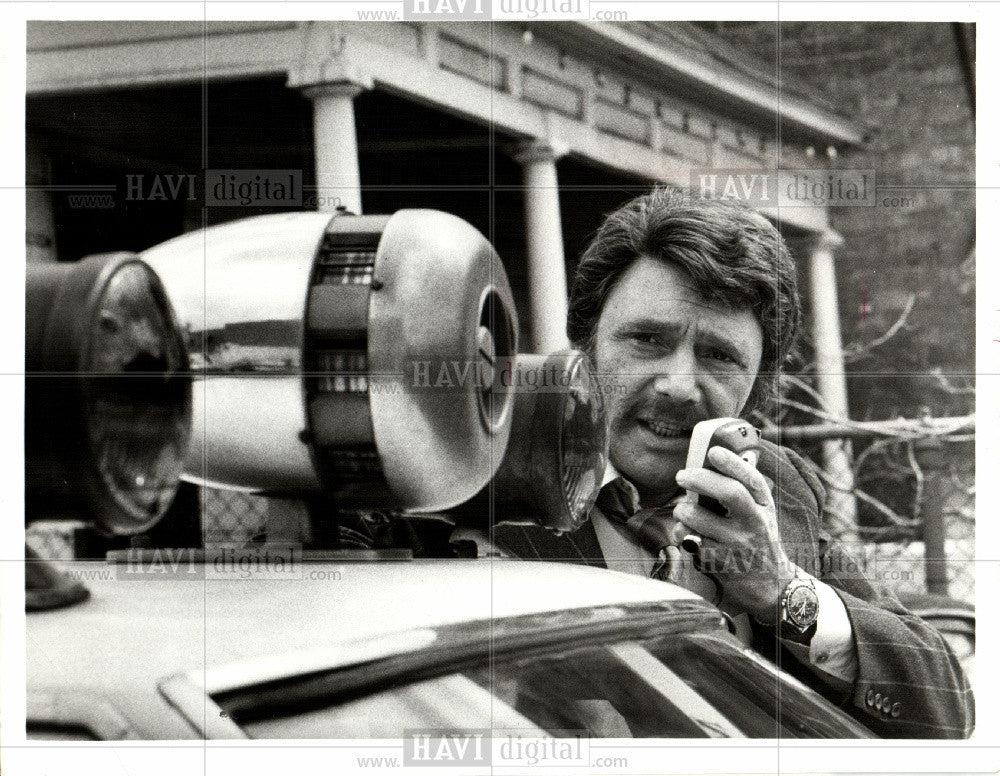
{"x":645,"y":342}
{"x":721,"y":356}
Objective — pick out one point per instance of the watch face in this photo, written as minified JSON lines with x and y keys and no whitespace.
{"x":803,"y":606}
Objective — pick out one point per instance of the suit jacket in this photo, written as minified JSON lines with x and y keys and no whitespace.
{"x":909,"y":683}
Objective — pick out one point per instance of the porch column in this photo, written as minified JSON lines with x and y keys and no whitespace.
{"x":831,"y":381}
{"x":547,"y":292}
{"x":338,"y":177}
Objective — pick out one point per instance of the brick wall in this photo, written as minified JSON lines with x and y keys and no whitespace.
{"x":904,"y":82}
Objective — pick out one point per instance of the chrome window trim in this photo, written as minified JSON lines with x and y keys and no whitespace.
{"x":74,"y":708}
{"x":186,"y":693}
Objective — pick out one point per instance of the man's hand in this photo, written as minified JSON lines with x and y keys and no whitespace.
{"x":742,"y":550}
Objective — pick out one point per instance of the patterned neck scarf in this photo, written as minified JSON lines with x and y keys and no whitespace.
{"x":619,"y":502}
{"x":654,"y":529}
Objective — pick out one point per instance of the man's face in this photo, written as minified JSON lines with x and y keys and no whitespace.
{"x":667,"y":360}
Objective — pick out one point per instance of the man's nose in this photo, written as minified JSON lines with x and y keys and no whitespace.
{"x":678,"y":378}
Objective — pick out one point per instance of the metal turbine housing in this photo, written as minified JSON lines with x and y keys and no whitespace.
{"x":352,"y":355}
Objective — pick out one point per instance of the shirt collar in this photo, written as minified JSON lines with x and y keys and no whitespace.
{"x":611,"y":474}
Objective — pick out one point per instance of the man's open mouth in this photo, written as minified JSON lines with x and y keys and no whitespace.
{"x":664,"y":429}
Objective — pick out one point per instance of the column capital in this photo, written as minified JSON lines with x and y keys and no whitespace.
{"x":348,"y":89}
{"x":328,"y":55}
{"x":334,"y":74}
{"x":537,"y":150}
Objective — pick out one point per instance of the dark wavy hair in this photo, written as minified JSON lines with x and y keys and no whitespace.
{"x":732,"y":253}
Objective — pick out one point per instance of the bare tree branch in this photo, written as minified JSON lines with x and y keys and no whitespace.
{"x":861,"y":350}
{"x":948,"y":386}
{"x":918,"y":474}
{"x":802,"y":385}
{"x":874,"y":447}
{"x":902,"y":429}
{"x":814,"y":411}
{"x":890,"y":514}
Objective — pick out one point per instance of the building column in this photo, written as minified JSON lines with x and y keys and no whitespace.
{"x":831,"y":379}
{"x":40,"y":221}
{"x":547,"y":292}
{"x":338,"y":177}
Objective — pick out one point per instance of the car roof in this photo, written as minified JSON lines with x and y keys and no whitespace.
{"x":136,"y":631}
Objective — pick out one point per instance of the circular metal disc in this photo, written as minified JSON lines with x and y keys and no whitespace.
{"x":440,"y":413}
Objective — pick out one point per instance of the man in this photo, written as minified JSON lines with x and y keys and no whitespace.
{"x":688,"y":308}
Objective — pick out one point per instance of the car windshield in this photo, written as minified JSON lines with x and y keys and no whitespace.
{"x":680,"y":686}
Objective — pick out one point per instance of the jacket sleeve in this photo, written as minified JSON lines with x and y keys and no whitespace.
{"x":909,"y":682}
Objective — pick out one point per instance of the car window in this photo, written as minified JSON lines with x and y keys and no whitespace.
{"x":750,"y":691}
{"x":451,"y":701}
{"x":607,"y":691}
{"x":695,"y":685}
{"x":724,"y":690}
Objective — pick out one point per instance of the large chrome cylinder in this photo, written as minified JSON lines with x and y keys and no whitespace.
{"x":358,"y":355}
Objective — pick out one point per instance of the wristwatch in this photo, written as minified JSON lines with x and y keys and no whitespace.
{"x":799,"y":611}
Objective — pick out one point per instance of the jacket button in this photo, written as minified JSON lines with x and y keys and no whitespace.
{"x":885,"y":704}
{"x":896,"y":708}
{"x":870,"y":698}
{"x":878,"y":700}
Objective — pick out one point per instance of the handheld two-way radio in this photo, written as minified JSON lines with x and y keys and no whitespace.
{"x":737,"y":435}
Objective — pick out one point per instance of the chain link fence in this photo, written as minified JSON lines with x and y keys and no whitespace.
{"x":231,"y":516}
{"x":899,"y":502}
{"x":52,"y":540}
{"x":226,"y":517}
{"x":902,"y":563}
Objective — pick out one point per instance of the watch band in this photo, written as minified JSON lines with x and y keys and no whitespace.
{"x":789,"y":632}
